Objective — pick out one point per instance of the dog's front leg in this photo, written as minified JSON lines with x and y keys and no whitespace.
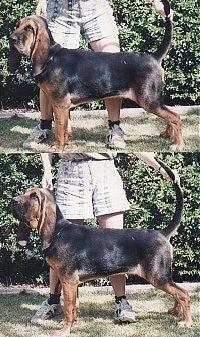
{"x":69,"y":296}
{"x":61,"y":113}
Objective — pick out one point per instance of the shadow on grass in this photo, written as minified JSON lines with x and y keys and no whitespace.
{"x":96,"y":317}
{"x":97,"y":134}
{"x":141,"y":134}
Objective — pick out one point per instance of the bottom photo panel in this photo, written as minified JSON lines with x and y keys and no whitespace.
{"x":99,"y":244}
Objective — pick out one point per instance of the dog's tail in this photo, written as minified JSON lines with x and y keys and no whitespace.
{"x":165,"y":44}
{"x":175,"y":222}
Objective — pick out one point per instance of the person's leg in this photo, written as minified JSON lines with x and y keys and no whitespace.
{"x":115,"y":135}
{"x":114,"y":220}
{"x":50,"y":307}
{"x":109,"y":204}
{"x":101,"y":32}
{"x":99,"y":29}
{"x":109,"y":44}
{"x":42,"y":131}
{"x":124,"y":312}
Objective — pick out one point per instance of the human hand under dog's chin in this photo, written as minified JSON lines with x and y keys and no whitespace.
{"x":166,"y":176}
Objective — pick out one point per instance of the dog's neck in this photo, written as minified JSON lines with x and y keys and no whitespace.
{"x":59,"y":215}
{"x":53,"y":51}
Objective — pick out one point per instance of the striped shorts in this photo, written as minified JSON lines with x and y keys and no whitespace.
{"x":89,"y":188}
{"x":68,"y":19}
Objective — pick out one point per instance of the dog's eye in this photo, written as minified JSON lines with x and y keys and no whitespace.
{"x":33,"y":195}
{"x":28,"y":28}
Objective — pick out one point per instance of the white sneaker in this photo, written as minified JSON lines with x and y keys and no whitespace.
{"x":124,"y":312}
{"x":115,"y":137}
{"x":46,"y":311}
{"x":36,"y":137}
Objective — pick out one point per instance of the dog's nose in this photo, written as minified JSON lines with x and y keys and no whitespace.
{"x":15,"y":200}
{"x":13,"y":38}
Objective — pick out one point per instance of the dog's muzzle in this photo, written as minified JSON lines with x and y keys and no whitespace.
{"x":23,"y":234}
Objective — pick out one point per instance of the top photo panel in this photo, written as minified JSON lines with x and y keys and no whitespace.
{"x":95,"y":76}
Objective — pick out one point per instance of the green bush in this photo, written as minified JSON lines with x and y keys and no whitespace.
{"x":141,"y":29}
{"x":152,"y":206}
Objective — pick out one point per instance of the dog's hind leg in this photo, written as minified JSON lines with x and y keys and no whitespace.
{"x":182,"y":301}
{"x":174,"y":124}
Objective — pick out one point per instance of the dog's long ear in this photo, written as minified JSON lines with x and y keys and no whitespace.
{"x":14,"y":59}
{"x":48,"y":222}
{"x":40,"y":52}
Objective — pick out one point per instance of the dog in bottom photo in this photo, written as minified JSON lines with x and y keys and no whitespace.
{"x":71,"y":250}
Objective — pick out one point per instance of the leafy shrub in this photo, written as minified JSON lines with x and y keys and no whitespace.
{"x":152,"y":206}
{"x":141,"y":29}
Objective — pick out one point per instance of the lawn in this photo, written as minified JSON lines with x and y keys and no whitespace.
{"x":96,"y":317}
{"x":89,"y":131}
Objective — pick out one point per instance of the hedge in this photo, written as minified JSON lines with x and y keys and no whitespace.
{"x":152,"y":206}
{"x":141,"y":29}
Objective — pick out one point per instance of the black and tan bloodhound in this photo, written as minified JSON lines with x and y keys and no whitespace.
{"x":71,"y":77}
{"x":78,"y":252}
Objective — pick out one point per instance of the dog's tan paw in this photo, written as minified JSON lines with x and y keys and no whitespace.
{"x":184,"y":323}
{"x":175,"y":147}
{"x":65,"y":332}
{"x":57,"y":149}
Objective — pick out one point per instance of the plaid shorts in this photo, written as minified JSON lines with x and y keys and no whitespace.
{"x":89,"y":188}
{"x":68,"y":19}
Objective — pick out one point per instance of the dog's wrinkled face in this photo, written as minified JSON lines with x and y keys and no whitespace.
{"x":23,"y":38}
{"x":29,"y":32}
{"x":35,"y":209}
{"x":27,"y":208}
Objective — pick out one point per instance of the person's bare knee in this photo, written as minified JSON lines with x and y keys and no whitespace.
{"x":107,"y":44}
{"x":113,"y":220}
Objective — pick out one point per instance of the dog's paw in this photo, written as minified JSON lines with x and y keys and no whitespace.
{"x":57,"y":149}
{"x":185,"y":323}
{"x":176,"y":147}
{"x":65,"y":332}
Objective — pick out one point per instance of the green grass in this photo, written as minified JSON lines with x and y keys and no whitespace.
{"x":88,"y":134}
{"x":96,"y":317}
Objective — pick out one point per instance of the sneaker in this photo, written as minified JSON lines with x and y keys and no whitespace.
{"x":115,"y":137}
{"x":46,"y":311}
{"x":124,"y":312}
{"x":36,"y":137}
